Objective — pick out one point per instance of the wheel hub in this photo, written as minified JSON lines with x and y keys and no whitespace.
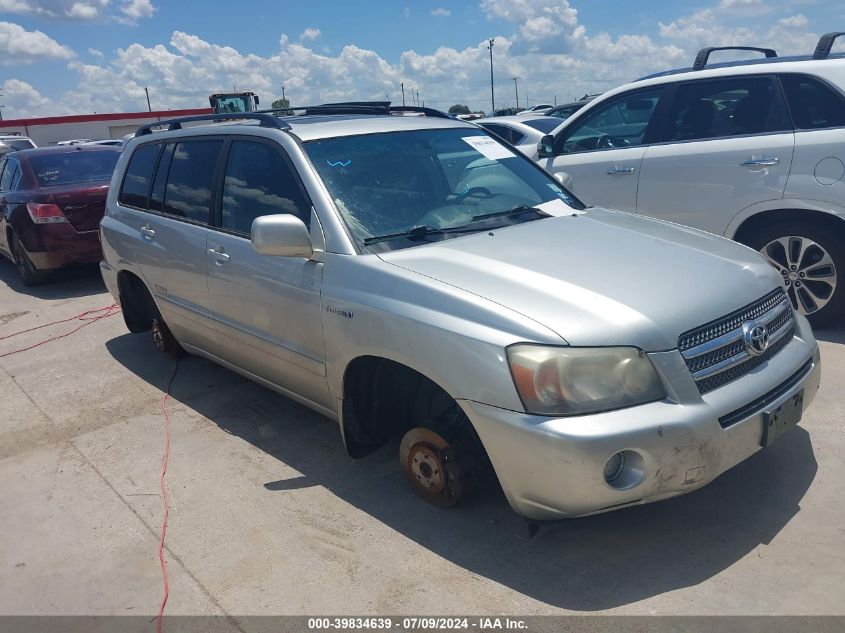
{"x":427,"y":467}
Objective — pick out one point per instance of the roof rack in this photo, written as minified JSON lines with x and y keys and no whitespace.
{"x":270,"y":118}
{"x":704,"y":53}
{"x":825,"y":44}
{"x":360,"y":107}
{"x":265,"y":120}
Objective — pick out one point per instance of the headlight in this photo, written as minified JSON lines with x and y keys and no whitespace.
{"x":578,"y":380}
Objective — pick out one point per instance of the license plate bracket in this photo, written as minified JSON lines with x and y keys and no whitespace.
{"x":781,"y":419}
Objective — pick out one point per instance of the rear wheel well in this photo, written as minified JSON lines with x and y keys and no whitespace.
{"x":383,"y":398}
{"x":136,"y":302}
{"x":750,"y":227}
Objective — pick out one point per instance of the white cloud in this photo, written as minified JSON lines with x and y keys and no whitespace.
{"x":441,"y":12}
{"x":125,"y":11}
{"x":96,"y":53}
{"x":21,"y":98}
{"x":19,"y":46}
{"x":540,"y":41}
{"x":744,"y":7}
{"x":310,"y":33}
{"x":67,"y":9}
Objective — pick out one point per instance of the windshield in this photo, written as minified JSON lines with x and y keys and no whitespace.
{"x":545,"y":125}
{"x":67,"y":168}
{"x":397,"y":182}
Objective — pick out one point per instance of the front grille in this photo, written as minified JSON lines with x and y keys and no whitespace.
{"x":715,"y":352}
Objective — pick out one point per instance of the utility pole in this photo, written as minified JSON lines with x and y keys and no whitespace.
{"x":1,"y":109}
{"x":403,"y":93}
{"x":283,"y":93}
{"x":516,"y":90}
{"x":147,"y":91}
{"x":418,"y":97}
{"x":492,"y":95}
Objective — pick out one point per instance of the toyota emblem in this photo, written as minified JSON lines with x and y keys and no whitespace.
{"x":756,"y":337}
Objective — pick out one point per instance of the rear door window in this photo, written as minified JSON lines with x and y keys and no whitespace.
{"x":189,"y":181}
{"x":735,"y":106}
{"x":136,"y":182}
{"x":813,"y":104}
{"x":259,"y":181}
{"x":621,"y":122}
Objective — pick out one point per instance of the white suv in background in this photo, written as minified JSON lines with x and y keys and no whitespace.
{"x":752,"y":150}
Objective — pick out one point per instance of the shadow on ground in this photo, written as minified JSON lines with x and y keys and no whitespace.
{"x":586,"y":564}
{"x":66,"y":283}
{"x":831,"y":335}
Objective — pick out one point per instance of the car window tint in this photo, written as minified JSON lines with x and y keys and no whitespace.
{"x":620,"y":122}
{"x":259,"y":182}
{"x":728,"y":107}
{"x":71,"y":167}
{"x":157,"y":193}
{"x":544,"y":125}
{"x":16,"y":177}
{"x":188,"y":191}
{"x":136,"y":183}
{"x":498,"y":130}
{"x":5,"y":175}
{"x":813,"y":104}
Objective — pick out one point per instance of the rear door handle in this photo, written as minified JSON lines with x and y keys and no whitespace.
{"x":760,"y":162}
{"x":619,"y":169}
{"x":219,"y":254}
{"x":148,"y":232}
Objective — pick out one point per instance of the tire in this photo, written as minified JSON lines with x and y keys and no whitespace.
{"x":810,"y":258}
{"x":28,"y":273}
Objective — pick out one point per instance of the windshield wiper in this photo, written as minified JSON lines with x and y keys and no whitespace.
{"x":518,"y":210}
{"x":418,"y":231}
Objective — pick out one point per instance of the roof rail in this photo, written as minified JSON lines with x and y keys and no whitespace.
{"x":266,"y":120}
{"x":704,"y":53}
{"x":825,"y":44}
{"x":359,"y":107}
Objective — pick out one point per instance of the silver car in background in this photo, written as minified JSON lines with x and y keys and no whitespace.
{"x":413,"y":277}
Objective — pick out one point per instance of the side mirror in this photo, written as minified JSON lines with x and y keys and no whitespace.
{"x":565,"y":179}
{"x":546,"y":147}
{"x":282,"y":235}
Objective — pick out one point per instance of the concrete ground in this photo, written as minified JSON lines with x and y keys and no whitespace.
{"x":269,"y":515}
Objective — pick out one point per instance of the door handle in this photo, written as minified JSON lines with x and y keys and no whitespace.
{"x":760,"y":162}
{"x":618,"y":169}
{"x":148,"y":232}
{"x":219,"y":254}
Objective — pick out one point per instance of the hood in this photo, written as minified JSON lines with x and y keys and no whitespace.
{"x":601,"y":277}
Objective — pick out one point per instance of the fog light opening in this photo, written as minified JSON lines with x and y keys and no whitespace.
{"x":613,"y":467}
{"x":624,"y":470}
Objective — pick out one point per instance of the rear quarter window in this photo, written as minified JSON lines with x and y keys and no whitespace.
{"x":136,"y":182}
{"x":813,"y":104}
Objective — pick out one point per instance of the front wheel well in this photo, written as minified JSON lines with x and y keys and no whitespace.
{"x":383,"y":398}
{"x":136,"y":302}
{"x":751,"y":226}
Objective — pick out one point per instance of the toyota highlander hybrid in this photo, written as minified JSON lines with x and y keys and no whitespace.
{"x":414,"y":277}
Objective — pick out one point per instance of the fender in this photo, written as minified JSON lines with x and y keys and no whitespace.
{"x":781,"y":204}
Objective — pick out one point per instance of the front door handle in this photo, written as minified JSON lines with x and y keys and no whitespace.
{"x":760,"y":162}
{"x":219,"y":254}
{"x":620,"y":169}
{"x":148,"y":232}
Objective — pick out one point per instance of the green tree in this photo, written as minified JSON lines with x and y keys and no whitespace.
{"x":281,"y":104}
{"x":459,"y":109}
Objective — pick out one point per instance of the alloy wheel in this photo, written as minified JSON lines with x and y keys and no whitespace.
{"x":807,"y":271}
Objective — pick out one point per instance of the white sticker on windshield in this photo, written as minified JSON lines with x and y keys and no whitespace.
{"x":488,"y":147}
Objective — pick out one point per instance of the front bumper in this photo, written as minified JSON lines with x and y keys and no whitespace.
{"x":552,"y":468}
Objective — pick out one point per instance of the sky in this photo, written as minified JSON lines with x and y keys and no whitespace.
{"x":83,"y":56}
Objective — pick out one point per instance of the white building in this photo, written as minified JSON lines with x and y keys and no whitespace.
{"x":51,"y":130}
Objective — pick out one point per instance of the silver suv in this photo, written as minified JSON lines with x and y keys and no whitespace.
{"x":413,"y":277}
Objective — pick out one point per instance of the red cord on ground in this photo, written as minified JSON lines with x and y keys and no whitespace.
{"x":165,"y":498}
{"x":87,"y":318}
